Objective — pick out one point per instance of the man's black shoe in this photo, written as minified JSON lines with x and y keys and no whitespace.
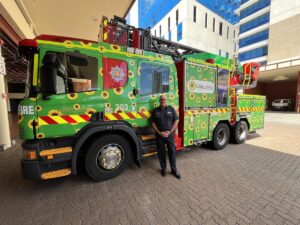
{"x":163,"y":173}
{"x":176,"y":174}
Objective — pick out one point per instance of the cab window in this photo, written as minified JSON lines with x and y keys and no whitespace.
{"x":73,"y":78}
{"x":154,"y":79}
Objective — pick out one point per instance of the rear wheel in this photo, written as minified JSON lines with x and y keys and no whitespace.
{"x":220,"y":136}
{"x":107,"y":157}
{"x":239,"y":132}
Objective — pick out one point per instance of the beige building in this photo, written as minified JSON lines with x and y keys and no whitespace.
{"x":280,"y":70}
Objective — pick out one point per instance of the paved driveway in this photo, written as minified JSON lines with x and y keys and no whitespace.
{"x":253,"y":183}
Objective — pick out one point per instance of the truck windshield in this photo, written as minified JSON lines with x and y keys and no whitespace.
{"x":29,"y":74}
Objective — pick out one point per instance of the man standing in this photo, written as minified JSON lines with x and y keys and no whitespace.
{"x":164,"y":121}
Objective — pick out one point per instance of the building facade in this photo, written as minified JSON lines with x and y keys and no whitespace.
{"x":190,"y":23}
{"x":254,"y":30}
{"x":269,"y":33}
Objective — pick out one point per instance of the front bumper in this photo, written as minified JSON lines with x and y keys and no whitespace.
{"x":31,"y":169}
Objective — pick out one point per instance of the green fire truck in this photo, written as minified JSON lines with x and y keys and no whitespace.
{"x":93,"y":100}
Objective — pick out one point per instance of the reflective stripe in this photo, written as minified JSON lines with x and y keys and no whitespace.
{"x":35,"y":69}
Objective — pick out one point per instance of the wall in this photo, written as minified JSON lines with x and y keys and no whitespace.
{"x":284,"y":31}
{"x":275,"y":90}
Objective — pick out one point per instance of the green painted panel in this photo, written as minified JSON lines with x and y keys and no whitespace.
{"x":201,"y":126}
{"x":200,"y":86}
{"x":188,"y":130}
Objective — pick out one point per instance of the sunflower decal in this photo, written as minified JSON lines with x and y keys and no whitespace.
{"x":54,"y":112}
{"x":191,"y":142}
{"x":118,"y":90}
{"x":38,"y":108}
{"x":90,"y":111}
{"x":191,"y":85}
{"x":40,"y":135}
{"x":72,"y":96}
{"x":107,"y":105}
{"x":142,"y":109}
{"x":132,"y":84}
{"x":134,"y":125}
{"x":198,"y":99}
{"x":199,"y":69}
{"x":130,"y":95}
{"x":197,"y":129}
{"x":210,"y":100}
{"x":203,"y":125}
{"x":115,"y":48}
{"x":153,"y":96}
{"x":130,"y":74}
{"x":171,"y":96}
{"x":155,"y":104}
{"x":69,"y":44}
{"x":192,"y":96}
{"x":191,"y":126}
{"x":101,"y":72}
{"x":104,"y":94}
{"x":76,"y":106}
{"x":131,"y":63}
{"x":204,"y":96}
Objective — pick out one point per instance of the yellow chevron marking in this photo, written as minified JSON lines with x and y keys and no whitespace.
{"x":58,"y":119}
{"x":136,"y":115}
{"x":124,"y":116}
{"x":148,"y":114}
{"x":110,"y":116}
{"x":78,"y":119}
{"x":56,"y":151}
{"x":41,"y":122}
{"x":56,"y":173}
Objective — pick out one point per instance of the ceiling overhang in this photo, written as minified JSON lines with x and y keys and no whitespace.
{"x":278,"y":72}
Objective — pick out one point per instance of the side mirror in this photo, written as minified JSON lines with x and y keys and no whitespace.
{"x":136,"y":91}
{"x":48,"y":75}
{"x":77,"y":59}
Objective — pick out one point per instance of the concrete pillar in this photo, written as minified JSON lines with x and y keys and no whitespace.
{"x":5,"y":141}
{"x":297,"y":105}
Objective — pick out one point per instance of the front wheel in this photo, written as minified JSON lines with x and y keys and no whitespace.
{"x":239,"y":132}
{"x":107,"y":157}
{"x":220,"y":136}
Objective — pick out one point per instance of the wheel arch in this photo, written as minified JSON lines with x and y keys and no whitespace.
{"x":97,"y":129}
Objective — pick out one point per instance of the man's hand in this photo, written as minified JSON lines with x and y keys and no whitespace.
{"x":165,"y":134}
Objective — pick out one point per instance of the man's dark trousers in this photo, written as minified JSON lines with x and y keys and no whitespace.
{"x":161,"y":142}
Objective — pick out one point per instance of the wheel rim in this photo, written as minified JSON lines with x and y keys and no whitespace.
{"x":221,"y":136}
{"x":242,"y":131}
{"x":110,"y":157}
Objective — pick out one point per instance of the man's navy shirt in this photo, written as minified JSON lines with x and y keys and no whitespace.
{"x":164,"y":118}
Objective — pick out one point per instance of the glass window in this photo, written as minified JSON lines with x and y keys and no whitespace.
{"x":255,"y":22}
{"x":169,"y":35}
{"x":221,"y":29}
{"x":159,"y":30}
{"x":255,"y":53}
{"x":72,"y":77}
{"x":260,"y":36}
{"x":222,"y":88}
{"x":195,"y":14}
{"x":114,"y":73}
{"x":254,"y":8}
{"x":169,"y":23}
{"x":179,"y":32}
{"x":177,"y":15}
{"x":214,"y":22}
{"x":205,"y":20}
{"x":154,"y":79}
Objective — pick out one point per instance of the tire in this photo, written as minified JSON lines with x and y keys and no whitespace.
{"x":220,"y":136}
{"x":239,"y":132}
{"x":107,"y":157}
